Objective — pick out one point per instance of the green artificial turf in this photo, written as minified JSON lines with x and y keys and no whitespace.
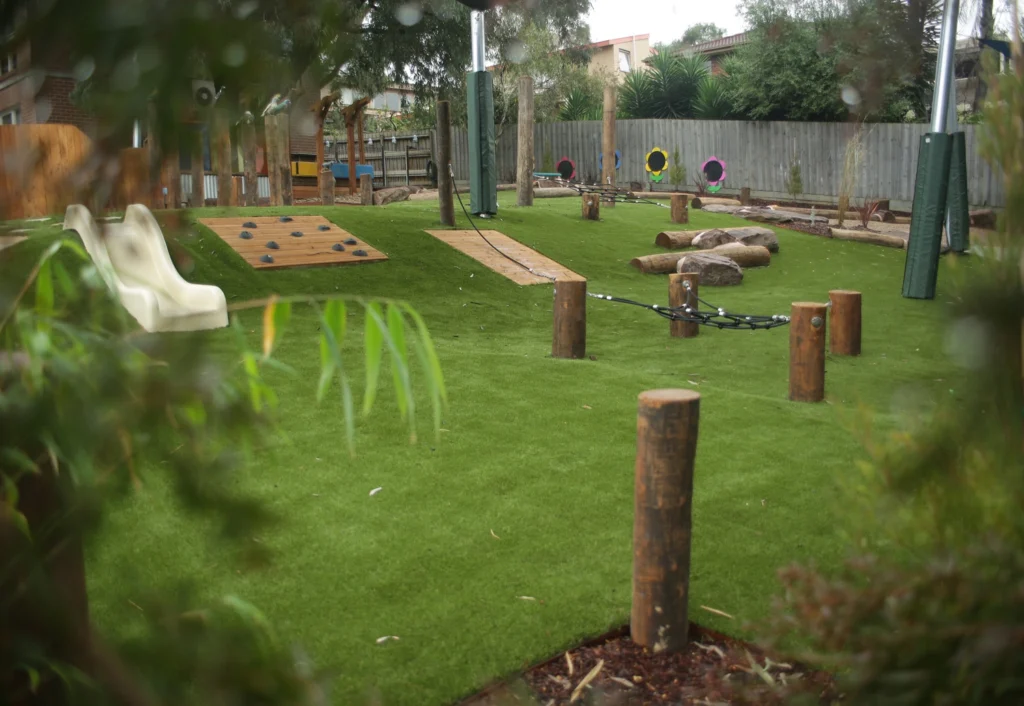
{"x":529,"y":491}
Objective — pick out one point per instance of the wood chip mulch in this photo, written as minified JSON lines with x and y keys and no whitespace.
{"x":714,"y":670}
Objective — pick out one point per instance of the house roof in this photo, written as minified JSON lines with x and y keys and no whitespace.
{"x":716,"y":46}
{"x":613,"y":42}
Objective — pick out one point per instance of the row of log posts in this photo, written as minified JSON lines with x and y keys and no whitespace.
{"x":807,"y":341}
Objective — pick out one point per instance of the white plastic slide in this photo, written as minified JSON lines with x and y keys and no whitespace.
{"x":133,"y":259}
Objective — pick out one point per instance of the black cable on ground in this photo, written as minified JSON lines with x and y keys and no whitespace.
{"x":690,"y":312}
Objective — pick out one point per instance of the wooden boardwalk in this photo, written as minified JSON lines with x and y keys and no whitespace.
{"x":470,"y":243}
{"x":313,"y":248}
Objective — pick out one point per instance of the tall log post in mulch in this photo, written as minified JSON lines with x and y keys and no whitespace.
{"x":680,"y":214}
{"x":745,"y":196}
{"x":569,"y":338}
{"x":591,"y":207}
{"x":326,"y":187}
{"x":679,"y":295}
{"x":667,"y":424}
{"x":807,"y":352}
{"x":845,"y":327}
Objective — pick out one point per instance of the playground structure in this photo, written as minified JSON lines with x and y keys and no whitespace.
{"x":133,"y":260}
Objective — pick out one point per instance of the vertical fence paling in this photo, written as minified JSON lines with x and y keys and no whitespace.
{"x":667,"y":427}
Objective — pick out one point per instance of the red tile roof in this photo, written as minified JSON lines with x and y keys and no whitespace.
{"x":716,"y":46}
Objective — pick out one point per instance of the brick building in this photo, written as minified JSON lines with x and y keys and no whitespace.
{"x":35,"y":93}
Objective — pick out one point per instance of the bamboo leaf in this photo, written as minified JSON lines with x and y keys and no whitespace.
{"x":44,"y":289}
{"x":332,"y":327}
{"x":67,"y":285}
{"x":404,"y":391}
{"x":374,"y":343}
{"x":269,"y":328}
{"x":400,"y":365}
{"x":253,"y":373}
{"x":431,"y":368}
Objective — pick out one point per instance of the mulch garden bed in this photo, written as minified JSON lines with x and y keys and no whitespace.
{"x":614,"y":671}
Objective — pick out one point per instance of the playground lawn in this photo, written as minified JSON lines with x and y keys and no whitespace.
{"x":509,"y":538}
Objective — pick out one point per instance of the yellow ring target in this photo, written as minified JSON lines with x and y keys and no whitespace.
{"x":658,"y":164}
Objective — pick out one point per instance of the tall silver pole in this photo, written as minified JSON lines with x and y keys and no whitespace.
{"x":944,"y":67}
{"x":136,"y":134}
{"x":476,"y":23}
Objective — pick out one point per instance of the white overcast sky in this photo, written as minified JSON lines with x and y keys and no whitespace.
{"x":666,"y":20}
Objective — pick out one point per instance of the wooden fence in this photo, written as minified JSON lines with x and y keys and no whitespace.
{"x":37,"y":168}
{"x":758,"y":155}
{"x":398,"y":160}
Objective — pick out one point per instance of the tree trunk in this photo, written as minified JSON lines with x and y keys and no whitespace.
{"x":524,"y":162}
{"x":222,"y":155}
{"x":196,"y":198}
{"x":351,"y":133}
{"x":247,"y":134}
{"x":272,"y":154}
{"x":608,"y":141}
{"x":445,"y":198}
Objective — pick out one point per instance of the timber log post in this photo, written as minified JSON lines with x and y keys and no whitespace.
{"x":666,"y":447}
{"x":807,"y":352}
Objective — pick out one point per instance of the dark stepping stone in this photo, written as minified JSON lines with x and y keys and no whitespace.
{"x":338,"y":247}
{"x":272,"y":245}
{"x":245,"y":235}
{"x":266,"y":258}
{"x":248,"y":224}
{"x":322,"y":227}
{"x":359,"y":253}
{"x":296,"y":233}
{"x":351,"y":241}
{"x":285,"y":219}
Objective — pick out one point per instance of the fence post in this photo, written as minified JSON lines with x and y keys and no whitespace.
{"x":679,"y":295}
{"x":570,"y":319}
{"x":844,"y":329}
{"x":807,"y":352}
{"x":666,"y":447}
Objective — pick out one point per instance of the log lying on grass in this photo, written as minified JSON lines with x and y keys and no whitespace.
{"x":871,"y":237}
{"x":659,"y":264}
{"x":676,"y":239}
{"x":713,"y":270}
{"x":765,"y":215}
{"x":702,"y":201}
{"x":557,"y":192}
{"x":983,"y":218}
{"x":883,"y":217}
{"x":391,"y":195}
{"x":745,"y":255}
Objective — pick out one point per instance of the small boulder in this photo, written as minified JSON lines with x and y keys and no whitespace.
{"x":385,"y":196}
{"x":712,"y":239}
{"x":756,"y":235}
{"x":712,"y":270}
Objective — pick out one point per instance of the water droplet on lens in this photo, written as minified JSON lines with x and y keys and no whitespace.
{"x":409,"y":13}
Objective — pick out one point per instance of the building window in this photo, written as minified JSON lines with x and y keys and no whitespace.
{"x":10,"y":117}
{"x":624,"y":63}
{"x":8,"y":64}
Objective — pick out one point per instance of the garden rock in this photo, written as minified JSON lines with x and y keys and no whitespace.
{"x":708,"y":239}
{"x":712,"y":270}
{"x":756,"y":235}
{"x":390,"y":195}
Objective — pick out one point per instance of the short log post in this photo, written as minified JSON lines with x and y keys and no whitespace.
{"x":327,"y":187}
{"x":570,"y":319}
{"x":237,"y":197}
{"x":666,"y":446}
{"x":844,"y":329}
{"x":366,"y":190}
{"x":679,"y":212}
{"x":745,"y":196}
{"x":807,"y":352}
{"x":679,"y":295}
{"x":591,"y":207}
